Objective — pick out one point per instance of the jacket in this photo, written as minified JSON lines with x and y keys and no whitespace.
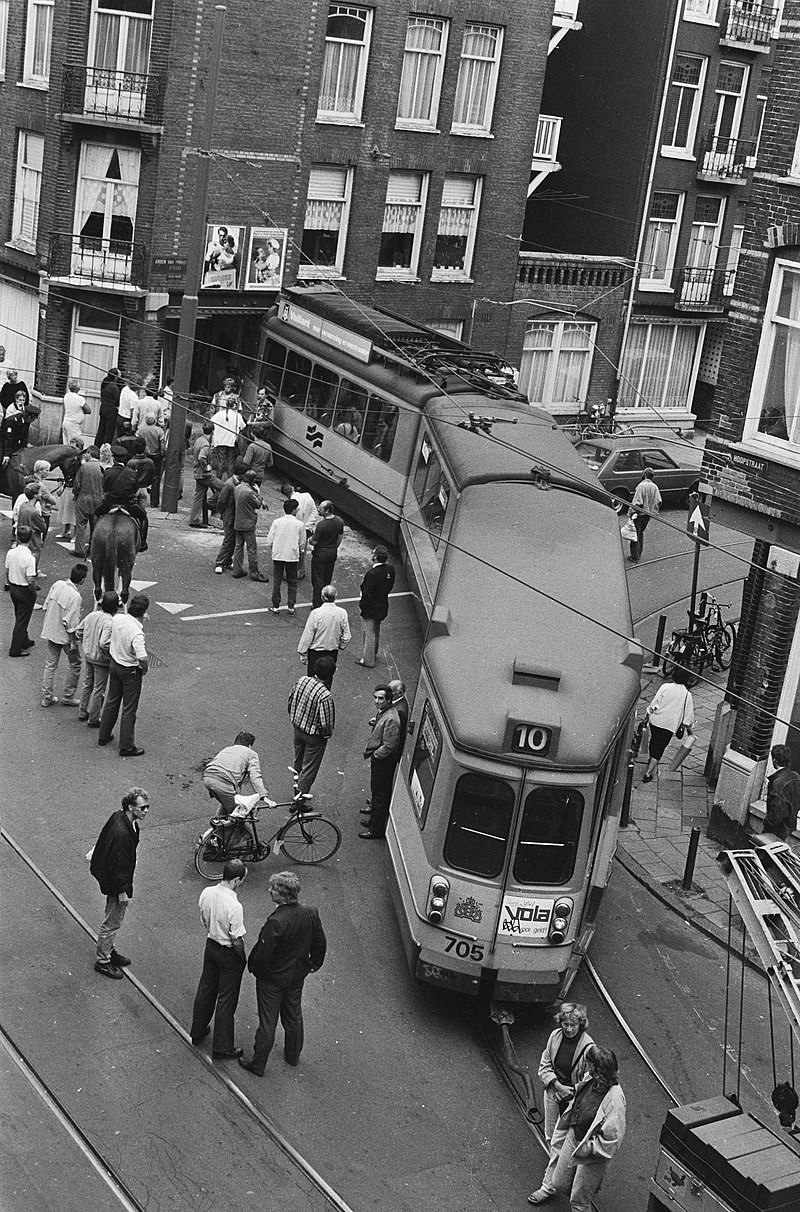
{"x":606,"y":1132}
{"x":547,"y":1070}
{"x":113,"y":860}
{"x":384,"y":741}
{"x":375,"y":590}
{"x":291,"y":944}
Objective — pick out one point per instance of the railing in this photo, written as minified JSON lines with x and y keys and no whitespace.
{"x":725,"y":159}
{"x":749,"y":23}
{"x":703,"y":289}
{"x":548,"y":131}
{"x":123,"y":96}
{"x":96,"y":262}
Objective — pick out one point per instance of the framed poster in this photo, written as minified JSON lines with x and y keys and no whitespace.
{"x":223,"y":257}
{"x":266,"y":258}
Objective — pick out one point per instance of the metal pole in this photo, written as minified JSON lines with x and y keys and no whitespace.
{"x":691,"y":857}
{"x":194,"y":269}
{"x":695,"y":571}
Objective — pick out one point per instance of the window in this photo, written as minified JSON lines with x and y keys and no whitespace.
{"x":432,"y":490}
{"x":658,"y":366}
{"x":38,"y":36}
{"x":556,"y":361}
{"x":683,"y":104}
{"x":344,"y":69}
{"x":794,"y":171}
{"x":423,"y":64}
{"x":380,"y":428}
{"x":105,"y":212}
{"x":458,"y":223}
{"x":322,"y":392}
{"x":480,"y":820}
{"x":477,"y":79}
{"x":658,"y":256}
{"x":548,"y":836}
{"x":659,"y":460}
{"x":701,"y":255}
{"x":3,"y":37}
{"x":728,"y":104}
{"x":734,"y":253}
{"x":759,"y":113}
{"x":448,"y":328}
{"x":774,"y":412}
{"x":119,"y":56}
{"x":296,"y":377}
{"x":402,"y":225}
{"x":325,"y":229}
{"x":272,"y":365}
{"x":700,"y":10}
{"x":351,"y":410}
{"x":425,"y":762}
{"x":28,"y":183}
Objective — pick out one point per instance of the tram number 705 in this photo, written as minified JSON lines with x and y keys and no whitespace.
{"x":463,"y":949}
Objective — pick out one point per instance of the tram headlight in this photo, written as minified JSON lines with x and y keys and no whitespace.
{"x":559,"y":922}
{"x":438,"y":892}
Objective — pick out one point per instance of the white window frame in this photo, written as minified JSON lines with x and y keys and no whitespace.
{"x":635,"y":388}
{"x":794,"y":170}
{"x":348,"y":117}
{"x":308,"y":270}
{"x":447,"y":328}
{"x":663,"y":284}
{"x":394,"y":273}
{"x":410,"y":59}
{"x":4,"y":5}
{"x":462,"y":275}
{"x":786,"y":451}
{"x":27,"y":191}
{"x":685,"y":151}
{"x":558,"y":328}
{"x":701,"y":12}
{"x":734,"y":254}
{"x":481,"y":129}
{"x":38,"y":10}
{"x":738,"y":105}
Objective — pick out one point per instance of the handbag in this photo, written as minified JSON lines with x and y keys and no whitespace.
{"x":628,"y":531}
{"x":681,"y":729}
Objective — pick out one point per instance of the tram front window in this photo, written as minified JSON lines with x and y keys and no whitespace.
{"x":480,"y":820}
{"x":548,"y":836}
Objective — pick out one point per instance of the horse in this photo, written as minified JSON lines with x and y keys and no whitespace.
{"x":115,"y":543}
{"x":20,"y":465}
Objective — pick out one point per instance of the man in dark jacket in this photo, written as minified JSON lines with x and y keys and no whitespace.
{"x":291,"y":944}
{"x":121,"y":484}
{"x":226,"y":507}
{"x":113,"y":863}
{"x":374,"y":604}
{"x":382,"y":751}
{"x":783,"y":794}
{"x":109,"y":407}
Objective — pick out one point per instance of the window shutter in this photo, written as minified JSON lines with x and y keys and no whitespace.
{"x":326,"y":182}
{"x":404,"y":187}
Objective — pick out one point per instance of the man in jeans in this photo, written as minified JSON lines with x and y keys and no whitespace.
{"x":287,"y":538}
{"x":62,"y":614}
{"x":204,"y":479}
{"x":95,"y":635}
{"x":129,"y":664}
{"x":23,"y":587}
{"x":113,"y":862}
{"x":313,"y":716}
{"x":246,"y":504}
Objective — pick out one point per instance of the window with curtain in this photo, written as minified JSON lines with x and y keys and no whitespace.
{"x":108,"y":190}
{"x":661,"y":238}
{"x":700,"y":10}
{"x":658,"y":365}
{"x":38,"y":37}
{"x":683,"y":103}
{"x":556,"y":363}
{"x":120,"y":38}
{"x":325,"y":227}
{"x":458,"y":222}
{"x":774,"y":413}
{"x":421,"y":79}
{"x":477,"y":79}
{"x":27,"y":186}
{"x":401,"y":235}
{"x":3,"y":37}
{"x":344,"y":68}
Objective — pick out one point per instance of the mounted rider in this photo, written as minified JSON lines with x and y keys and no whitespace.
{"x":122,"y":482}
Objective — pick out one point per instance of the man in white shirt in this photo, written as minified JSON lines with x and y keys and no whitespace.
{"x":223,"y":962}
{"x":129,"y":664}
{"x":308,"y":515}
{"x":645,"y":504}
{"x":23,"y":587}
{"x":228,"y":423}
{"x":287,"y":538}
{"x":326,"y":632}
{"x":128,"y":402}
{"x":62,"y":614}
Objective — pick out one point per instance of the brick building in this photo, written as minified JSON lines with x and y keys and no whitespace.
{"x":372,"y":145}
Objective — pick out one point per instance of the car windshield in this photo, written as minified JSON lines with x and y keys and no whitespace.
{"x":595,"y":456}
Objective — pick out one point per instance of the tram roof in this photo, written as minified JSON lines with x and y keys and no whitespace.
{"x":383,"y":327}
{"x":530,"y":624}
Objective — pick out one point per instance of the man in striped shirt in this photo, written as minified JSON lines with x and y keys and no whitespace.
{"x":313,"y":715}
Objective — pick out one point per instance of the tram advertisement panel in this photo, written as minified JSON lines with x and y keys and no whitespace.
{"x":425,"y":761}
{"x":525,"y":918}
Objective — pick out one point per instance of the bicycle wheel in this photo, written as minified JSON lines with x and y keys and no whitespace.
{"x":310,"y":839}
{"x":210,"y":854}
{"x":721,"y":644}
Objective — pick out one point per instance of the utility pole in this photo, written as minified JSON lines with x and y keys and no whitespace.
{"x":194,"y":269}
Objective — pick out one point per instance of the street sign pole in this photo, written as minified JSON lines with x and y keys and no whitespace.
{"x":194,"y":269}
{"x":697,"y":527}
{"x":695,"y":572}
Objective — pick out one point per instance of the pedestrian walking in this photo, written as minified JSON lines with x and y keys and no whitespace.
{"x":88,"y":492}
{"x":290,"y":946}
{"x":23,"y":587}
{"x":383,"y":753}
{"x":313,"y":717}
{"x":587,"y":1136}
{"x":246,"y":504}
{"x":226,"y":507}
{"x":225,"y":775}
{"x":326,"y":633}
{"x":671,"y":713}
{"x":307,"y":513}
{"x":94,"y":632}
{"x":112,"y":863}
{"x":204,"y":478}
{"x":62,"y":614}
{"x":783,"y":794}
{"x":287,"y":538}
{"x":563,"y":1064}
{"x":128,"y":664}
{"x":645,"y":504}
{"x":228,"y":423}
{"x":223,"y":962}
{"x":374,"y":605}
{"x":109,"y":407}
{"x":325,"y":541}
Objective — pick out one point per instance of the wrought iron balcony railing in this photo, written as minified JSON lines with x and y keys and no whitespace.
{"x":749,"y":23}
{"x":701,"y":289}
{"x":92,"y":261}
{"x":127,"y":97}
{"x":725,"y":159}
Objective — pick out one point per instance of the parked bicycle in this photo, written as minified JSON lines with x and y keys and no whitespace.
{"x":595,"y":421}
{"x":708,"y":640}
{"x":306,"y":837}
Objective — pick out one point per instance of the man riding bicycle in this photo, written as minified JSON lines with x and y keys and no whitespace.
{"x":226,"y":773}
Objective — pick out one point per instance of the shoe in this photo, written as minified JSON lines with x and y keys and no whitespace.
{"x":248,"y":1065}
{"x":289,"y":1061}
{"x":364,"y":663}
{"x":219,"y":570}
{"x":70,"y":703}
{"x":368,"y":835}
{"x":108,"y":970}
{"x":83,"y":717}
{"x":260,"y":576}
{"x":16,"y":654}
{"x":105,"y":740}
{"x":80,"y":555}
{"x":290,"y":609}
{"x":198,"y":1039}
{"x":648,"y":778}
{"x":539,"y":1197}
{"x":131,"y":752}
{"x":49,"y":702}
{"x":238,"y":575}
{"x":93,"y":724}
{"x":29,"y":644}
{"x":234,"y":1054}
{"x":197,"y":526}
{"x":274,"y":609}
{"x":63,"y":538}
{"x":119,"y":961}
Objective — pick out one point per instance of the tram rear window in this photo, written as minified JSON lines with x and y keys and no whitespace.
{"x":480,"y":820}
{"x":548,"y":836}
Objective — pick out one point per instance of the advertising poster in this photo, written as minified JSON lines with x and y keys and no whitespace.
{"x":266,"y":258}
{"x":223,"y":257}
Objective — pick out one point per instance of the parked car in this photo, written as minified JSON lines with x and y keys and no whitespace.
{"x":620,"y":462}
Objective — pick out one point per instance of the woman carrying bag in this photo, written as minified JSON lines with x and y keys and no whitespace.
{"x":671,"y":713}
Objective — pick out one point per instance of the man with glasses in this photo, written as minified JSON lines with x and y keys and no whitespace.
{"x":112,"y":863}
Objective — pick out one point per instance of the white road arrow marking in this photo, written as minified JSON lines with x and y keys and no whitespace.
{"x":175,"y":607}
{"x":138,"y":586}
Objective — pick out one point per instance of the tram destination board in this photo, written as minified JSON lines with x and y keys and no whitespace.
{"x":528,"y":739}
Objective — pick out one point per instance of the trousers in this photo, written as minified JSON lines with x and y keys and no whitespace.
{"x":245,"y":538}
{"x":371,"y":632}
{"x":323,"y":562}
{"x":281,"y":569}
{"x":218,"y":994}
{"x":308,"y":754}
{"x":24,"y":599}
{"x":114,"y":915}
{"x":93,"y":687}
{"x":381,"y":777}
{"x":54,"y":652}
{"x":124,"y":689}
{"x":581,"y":1180}
{"x":274,"y":1002}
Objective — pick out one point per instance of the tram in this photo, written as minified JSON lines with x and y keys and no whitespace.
{"x":506,"y":804}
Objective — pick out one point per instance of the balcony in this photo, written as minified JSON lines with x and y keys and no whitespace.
{"x":98,"y":264}
{"x":566,"y":10}
{"x":704,"y":290}
{"x":545,"y":148}
{"x":748,"y":25}
{"x":127,"y":99}
{"x":725,"y":161}
{"x":565,"y":18}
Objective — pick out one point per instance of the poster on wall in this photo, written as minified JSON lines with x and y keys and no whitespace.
{"x":223,"y":257}
{"x":266,"y":258}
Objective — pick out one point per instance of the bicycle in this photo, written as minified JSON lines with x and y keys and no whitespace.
{"x":708,"y":640}
{"x":306,"y":837}
{"x":594,"y":422}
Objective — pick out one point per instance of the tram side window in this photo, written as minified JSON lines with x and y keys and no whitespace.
{"x":272,"y":366}
{"x":480,"y":820}
{"x":351,"y":408}
{"x":322,"y":394}
{"x":296,"y":378}
{"x":380,"y":428}
{"x":432,"y":491}
{"x":548,"y":836}
{"x":424,"y":763}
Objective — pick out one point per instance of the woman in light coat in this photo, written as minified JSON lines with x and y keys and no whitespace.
{"x":563,"y":1062}
{"x":671,"y":709}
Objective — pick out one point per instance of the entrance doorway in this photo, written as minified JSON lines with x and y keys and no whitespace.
{"x":94,"y":349}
